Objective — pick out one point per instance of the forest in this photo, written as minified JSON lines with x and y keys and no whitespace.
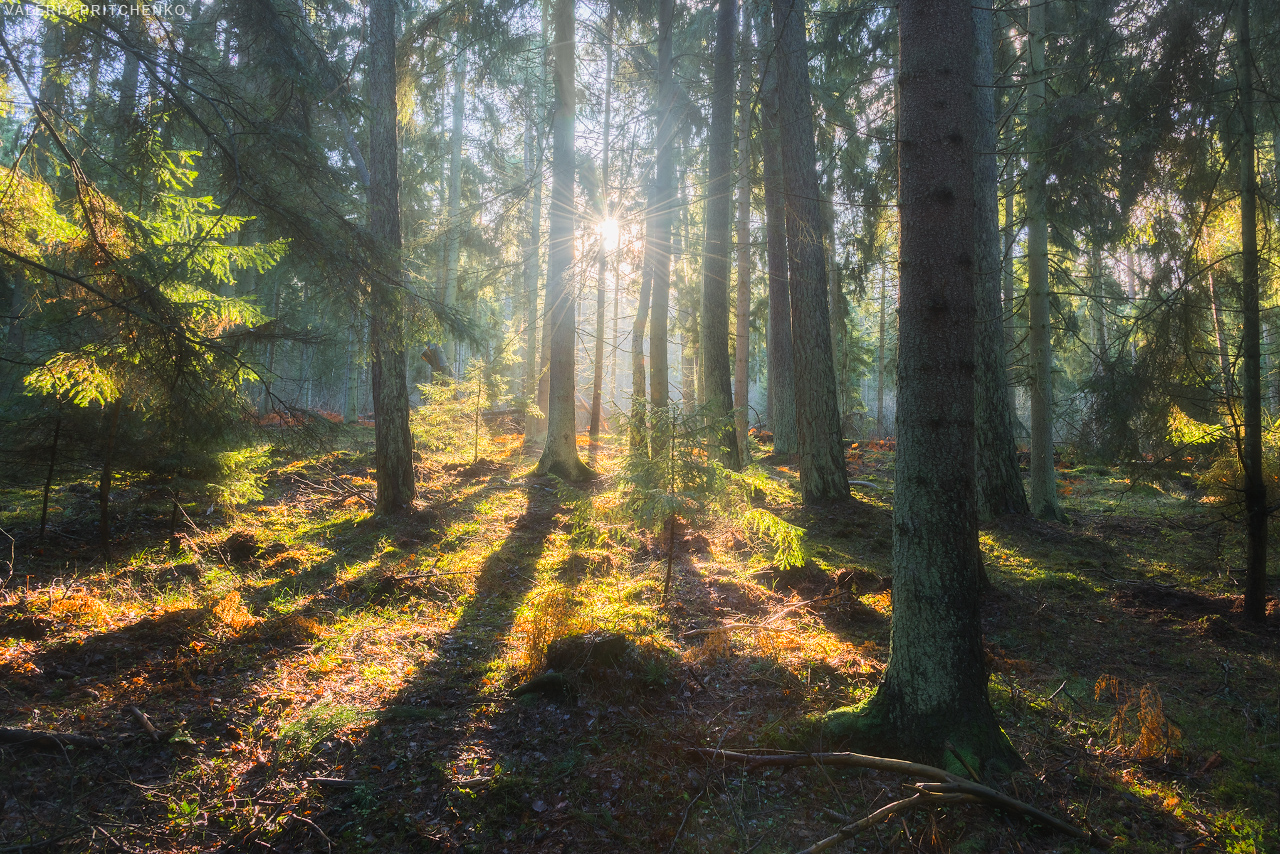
{"x":661,"y":426}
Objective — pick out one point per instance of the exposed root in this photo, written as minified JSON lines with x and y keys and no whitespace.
{"x":943,"y":787}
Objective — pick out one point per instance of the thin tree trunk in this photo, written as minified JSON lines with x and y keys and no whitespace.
{"x":453,"y":249}
{"x":104,"y":482}
{"x":1043,"y":480}
{"x":48,"y":479}
{"x":778,"y":345}
{"x":560,"y":454}
{"x":658,"y":250}
{"x":1098,"y":310}
{"x":742,"y":308}
{"x":999,"y":483}
{"x":393,"y":443}
{"x":602,"y":265}
{"x":351,"y":388}
{"x":881,"y":427}
{"x":823,"y":477}
{"x":934,"y":693}
{"x":639,"y":433}
{"x":717,"y":373}
{"x":1255,"y":490}
{"x":533,"y":211}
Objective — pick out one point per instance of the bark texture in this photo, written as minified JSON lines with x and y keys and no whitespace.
{"x":560,"y":454}
{"x":823,"y":477}
{"x":393,"y":443}
{"x":717,"y":373}
{"x":934,"y":691}
{"x":999,"y":483}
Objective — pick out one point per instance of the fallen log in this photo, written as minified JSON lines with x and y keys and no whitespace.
{"x":39,"y":738}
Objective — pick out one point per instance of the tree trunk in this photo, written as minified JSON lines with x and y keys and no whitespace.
{"x":393,"y":443}
{"x":533,"y":215}
{"x":1043,"y":481}
{"x":48,"y":480}
{"x":453,"y":248}
{"x":881,"y":426}
{"x":823,"y":477}
{"x":560,"y":454}
{"x":351,"y":387}
{"x":713,"y":333}
{"x":602,"y":266}
{"x":999,"y":483}
{"x":104,"y":482}
{"x":778,"y":346}
{"x":535,"y":426}
{"x":934,"y":691}
{"x":658,"y":250}
{"x":1255,"y":490}
{"x":742,"y":308}
{"x":639,"y":433}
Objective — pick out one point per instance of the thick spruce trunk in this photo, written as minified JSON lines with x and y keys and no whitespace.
{"x":823,"y":477}
{"x":934,"y":691}
{"x":1042,"y":479}
{"x":1255,"y":490}
{"x":999,"y":483}
{"x":393,"y":443}
{"x":717,"y":372}
{"x":639,"y":432}
{"x":560,"y":454}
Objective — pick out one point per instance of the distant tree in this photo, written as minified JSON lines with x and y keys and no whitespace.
{"x":717,"y":375}
{"x":657,"y":251}
{"x":999,"y":483}
{"x":823,"y":477}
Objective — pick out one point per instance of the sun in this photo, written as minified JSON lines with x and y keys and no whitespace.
{"x":609,"y":231}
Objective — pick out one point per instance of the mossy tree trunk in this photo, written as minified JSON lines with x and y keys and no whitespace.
{"x":934,"y":691}
{"x":742,"y":303}
{"x":560,"y":454}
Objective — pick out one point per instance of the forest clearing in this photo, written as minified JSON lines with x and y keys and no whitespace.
{"x":667,"y":426}
{"x":301,"y":660}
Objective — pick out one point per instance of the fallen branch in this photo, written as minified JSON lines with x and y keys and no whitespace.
{"x":942,"y":784}
{"x":155,"y":734}
{"x":694,"y":633}
{"x":332,"y":782}
{"x":35,"y":738}
{"x":340,"y":491}
{"x":313,"y":826}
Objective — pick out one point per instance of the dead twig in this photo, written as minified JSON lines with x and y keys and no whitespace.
{"x":941,"y":783}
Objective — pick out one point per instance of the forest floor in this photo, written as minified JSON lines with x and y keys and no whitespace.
{"x":323,"y":681}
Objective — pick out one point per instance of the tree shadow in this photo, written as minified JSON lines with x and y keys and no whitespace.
{"x":439,"y":726}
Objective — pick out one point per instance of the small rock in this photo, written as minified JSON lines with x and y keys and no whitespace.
{"x":241,"y":547}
